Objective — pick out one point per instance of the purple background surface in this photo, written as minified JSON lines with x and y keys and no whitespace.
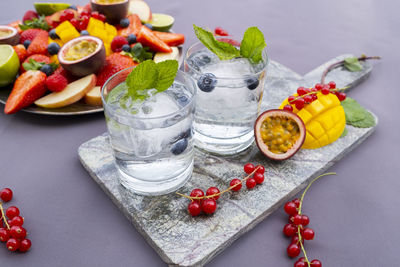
{"x":355,"y":214}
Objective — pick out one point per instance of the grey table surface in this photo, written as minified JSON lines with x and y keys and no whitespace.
{"x":72,"y":222}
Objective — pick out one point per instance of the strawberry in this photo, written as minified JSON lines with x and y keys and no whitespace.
{"x":106,"y":72}
{"x":61,"y":71}
{"x":117,"y":43}
{"x":39,"y":44}
{"x":148,"y":38}
{"x":56,"y":83}
{"x":229,"y":41}
{"x":29,"y":34}
{"x":120,"y":60}
{"x":171,"y":39}
{"x":29,"y":15}
{"x":114,"y":63}
{"x":21,"y":52}
{"x":220,"y":32}
{"x":15,"y":24}
{"x":27,"y":89}
{"x":37,"y":58}
{"x":134,"y":26}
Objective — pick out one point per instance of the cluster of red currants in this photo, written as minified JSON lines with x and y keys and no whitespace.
{"x":11,"y":230}
{"x":297,"y":230}
{"x":207,"y":203}
{"x":309,"y":95}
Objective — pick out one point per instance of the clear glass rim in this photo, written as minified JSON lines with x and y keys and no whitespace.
{"x":132,"y":116}
{"x":265,"y":54}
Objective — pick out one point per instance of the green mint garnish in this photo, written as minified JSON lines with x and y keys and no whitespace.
{"x":34,"y":65}
{"x":35,"y":23}
{"x":356,"y":115}
{"x":352,"y":64}
{"x":251,"y":46}
{"x":139,"y":53}
{"x":148,"y":75}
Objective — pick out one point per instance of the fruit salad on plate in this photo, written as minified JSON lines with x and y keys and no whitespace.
{"x":59,"y":55}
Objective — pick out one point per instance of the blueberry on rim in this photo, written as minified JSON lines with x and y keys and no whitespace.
{"x":252,"y":83}
{"x":207,"y":82}
{"x":179,"y":146}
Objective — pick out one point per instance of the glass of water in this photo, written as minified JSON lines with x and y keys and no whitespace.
{"x":228,"y":99}
{"x":152,"y":140}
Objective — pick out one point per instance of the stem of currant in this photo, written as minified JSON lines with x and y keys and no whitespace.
{"x":3,"y":216}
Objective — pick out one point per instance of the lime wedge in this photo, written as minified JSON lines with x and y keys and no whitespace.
{"x":9,"y":65}
{"x":50,"y":8}
{"x":161,"y":22}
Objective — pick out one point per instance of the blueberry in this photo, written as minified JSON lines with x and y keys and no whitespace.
{"x":202,"y":60}
{"x":84,"y":32}
{"x":73,"y":7}
{"x":182,"y":100}
{"x":186,"y":134}
{"x":47,"y":69}
{"x":252,"y":83}
{"x":53,"y":35}
{"x":148,"y":25}
{"x":53,"y":48}
{"x":126,"y":48}
{"x":207,"y":82}
{"x":179,"y":146}
{"x":131,"y":39}
{"x":27,"y":43}
{"x":124,"y":22}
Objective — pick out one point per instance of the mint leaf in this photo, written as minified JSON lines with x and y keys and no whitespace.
{"x":356,"y":115}
{"x":143,"y":76}
{"x":223,"y":50}
{"x":139,"y":53}
{"x":35,"y":23}
{"x":166,"y":74}
{"x":253,"y":44}
{"x":352,"y":64}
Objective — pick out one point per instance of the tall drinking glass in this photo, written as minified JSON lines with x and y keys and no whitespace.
{"x":152,"y":140}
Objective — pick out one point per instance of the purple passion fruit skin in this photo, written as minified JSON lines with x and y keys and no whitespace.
{"x":82,"y":56}
{"x":279,"y":134}
{"x":114,"y":10}
{"x":9,"y":35}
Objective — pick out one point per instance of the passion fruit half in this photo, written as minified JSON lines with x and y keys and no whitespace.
{"x":114,"y":10}
{"x":279,"y":133}
{"x":8,"y":35}
{"x":83,"y":55}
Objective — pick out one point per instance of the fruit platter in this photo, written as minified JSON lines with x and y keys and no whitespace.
{"x":55,"y":60}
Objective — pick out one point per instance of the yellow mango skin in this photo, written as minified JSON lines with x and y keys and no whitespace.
{"x":324,"y":120}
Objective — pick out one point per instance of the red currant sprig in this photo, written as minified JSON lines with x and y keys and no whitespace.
{"x":297,"y":230}
{"x":207,"y":202}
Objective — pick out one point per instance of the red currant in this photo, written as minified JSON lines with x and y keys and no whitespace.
{"x":308,"y":98}
{"x":291,"y":99}
{"x":17,"y":221}
{"x":95,"y":15}
{"x":68,"y":14}
{"x":332,"y":85}
{"x":102,"y":17}
{"x":316,"y":263}
{"x":325,"y":90}
{"x":259,"y":178}
{"x":314,"y":97}
{"x":12,"y":211}
{"x":296,"y":201}
{"x":300,"y":103}
{"x":6,"y":194}
{"x":341,"y":96}
{"x":295,"y":239}
{"x":212,"y":191}
{"x":308,"y":234}
{"x":248,"y":168}
{"x":25,"y":245}
{"x":291,"y":218}
{"x":260,"y":169}
{"x":300,"y":264}
{"x":4,"y":234}
{"x":13,"y":244}
{"x":293,"y":250}
{"x":305,"y":220}
{"x":194,"y":208}
{"x":251,"y":183}
{"x":75,"y":23}
{"x":297,"y":219}
{"x":288,"y":108}
{"x":238,"y":184}
{"x":209,"y":205}
{"x":197,"y":193}
{"x":18,"y":232}
{"x":84,"y":13}
{"x":290,"y":208}
{"x":318,"y":86}
{"x":301,"y":91}
{"x":289,"y":229}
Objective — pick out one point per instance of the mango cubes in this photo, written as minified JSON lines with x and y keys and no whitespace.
{"x":66,"y":31}
{"x":104,"y":31}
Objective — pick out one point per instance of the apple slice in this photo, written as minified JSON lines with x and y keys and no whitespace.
{"x":159,"y":56}
{"x":71,"y":94}
{"x":93,"y":97}
{"x":141,"y":8}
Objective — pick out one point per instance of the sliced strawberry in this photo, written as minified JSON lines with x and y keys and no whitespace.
{"x":114,"y":63}
{"x":29,"y":34}
{"x":148,"y":38}
{"x":27,"y":89}
{"x":21,"y":52}
{"x":39,"y":44}
{"x":37,"y":58}
{"x":229,"y":41}
{"x":106,"y":72}
{"x":171,"y":39}
{"x":30,"y":15}
{"x":134,"y":26}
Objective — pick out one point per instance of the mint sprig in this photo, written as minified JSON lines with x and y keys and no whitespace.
{"x":356,"y":115}
{"x":35,"y":23}
{"x":251,"y":46}
{"x":34,"y":65}
{"x":352,"y":64}
{"x":150,"y":75}
{"x":139,"y":53}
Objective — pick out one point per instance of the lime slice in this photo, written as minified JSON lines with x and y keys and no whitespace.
{"x":50,"y":8}
{"x":9,"y":65}
{"x":161,"y":22}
